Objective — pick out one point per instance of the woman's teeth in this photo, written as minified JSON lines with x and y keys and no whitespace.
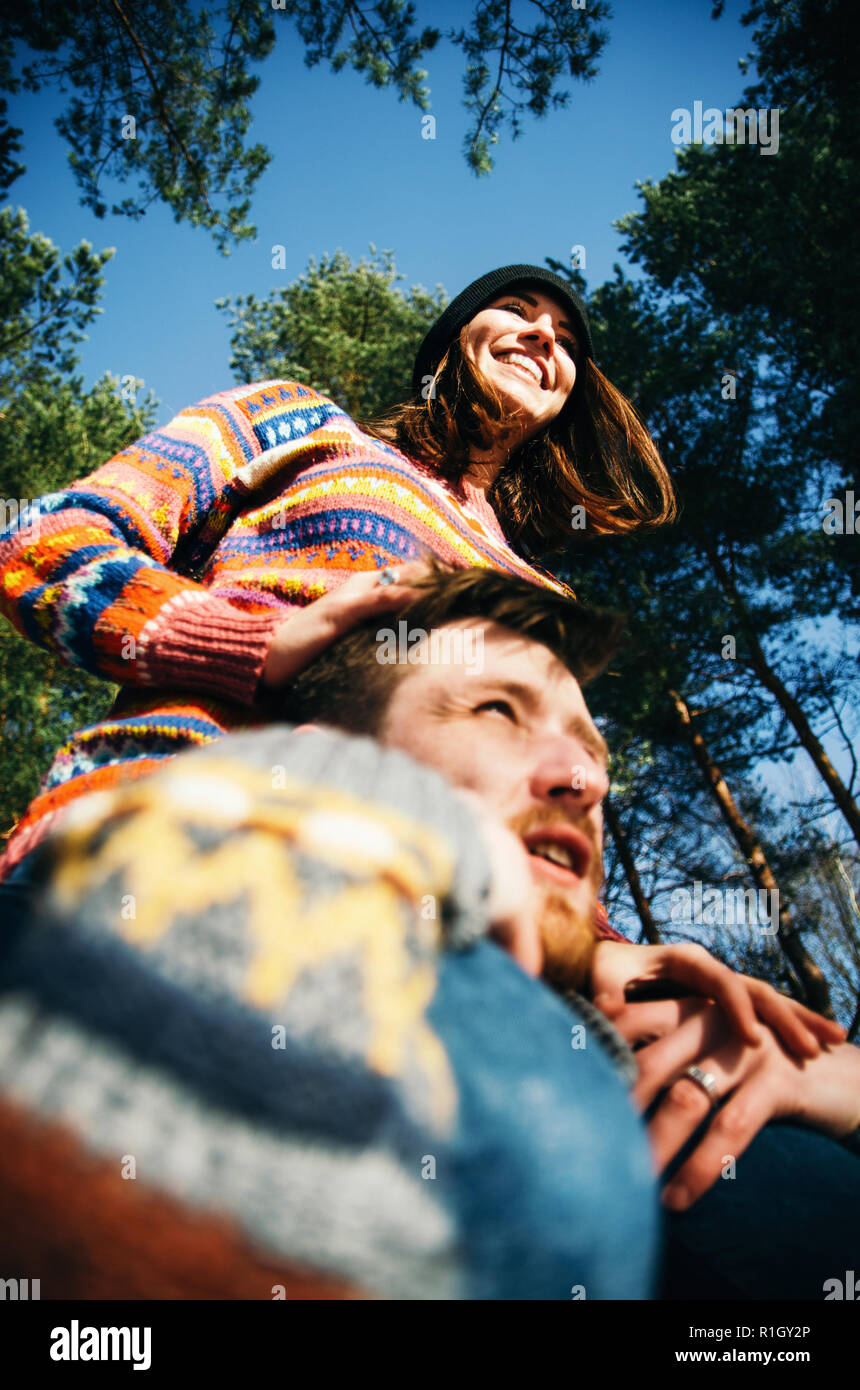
{"x":525,"y":364}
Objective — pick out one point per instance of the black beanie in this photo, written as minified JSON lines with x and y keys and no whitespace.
{"x":449,"y":323}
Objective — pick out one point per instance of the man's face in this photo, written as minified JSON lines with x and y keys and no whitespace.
{"x":518,"y":733}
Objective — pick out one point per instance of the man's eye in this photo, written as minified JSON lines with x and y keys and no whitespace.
{"x":499,"y":706}
{"x":516,"y":306}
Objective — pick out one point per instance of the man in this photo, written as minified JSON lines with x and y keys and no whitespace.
{"x":520,"y":735}
{"x":534,"y":1171}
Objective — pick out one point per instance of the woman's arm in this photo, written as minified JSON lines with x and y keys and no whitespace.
{"x":91,"y":579}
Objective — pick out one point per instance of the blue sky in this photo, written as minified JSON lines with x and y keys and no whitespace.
{"x":350,"y":167}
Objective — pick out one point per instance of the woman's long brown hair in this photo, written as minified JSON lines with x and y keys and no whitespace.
{"x":596,"y":454}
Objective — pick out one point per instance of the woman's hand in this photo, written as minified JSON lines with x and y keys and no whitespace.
{"x":618,"y":965}
{"x":756,"y":1084}
{"x":302,"y":637}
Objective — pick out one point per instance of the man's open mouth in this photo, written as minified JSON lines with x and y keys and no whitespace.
{"x":561,"y":853}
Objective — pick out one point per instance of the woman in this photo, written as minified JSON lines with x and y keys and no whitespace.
{"x":203,"y":566}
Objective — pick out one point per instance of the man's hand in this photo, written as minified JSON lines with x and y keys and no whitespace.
{"x":756,"y":1084}
{"x":620,"y":966}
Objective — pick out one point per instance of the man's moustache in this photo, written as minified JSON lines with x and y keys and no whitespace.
{"x":544,"y":819}
{"x":541,"y":819}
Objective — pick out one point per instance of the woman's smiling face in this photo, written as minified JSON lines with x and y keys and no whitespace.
{"x":525,"y":344}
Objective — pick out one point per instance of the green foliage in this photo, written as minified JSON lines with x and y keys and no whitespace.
{"x":512,"y":68}
{"x":747,"y":558}
{"x":181,"y":73}
{"x":343,"y":329}
{"x":183,"y":79}
{"x":381,"y":42}
{"x":10,"y":145}
{"x":774,"y":240}
{"x":42,"y":703}
{"x":51,"y":432}
{"x":51,"y":435}
{"x":45,"y":303}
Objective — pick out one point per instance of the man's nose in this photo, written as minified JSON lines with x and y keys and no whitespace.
{"x":566,"y":772}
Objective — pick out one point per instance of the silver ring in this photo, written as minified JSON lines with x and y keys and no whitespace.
{"x":387,"y":576}
{"x":707,"y":1081}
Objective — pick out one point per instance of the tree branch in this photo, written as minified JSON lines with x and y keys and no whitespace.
{"x":497,"y":87}
{"x":167,"y":123}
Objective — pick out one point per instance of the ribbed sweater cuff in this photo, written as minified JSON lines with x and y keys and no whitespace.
{"x":199,"y":642}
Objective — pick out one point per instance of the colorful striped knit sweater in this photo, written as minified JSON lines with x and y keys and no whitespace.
{"x":270,"y":496}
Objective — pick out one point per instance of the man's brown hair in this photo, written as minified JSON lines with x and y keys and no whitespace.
{"x":348,"y":687}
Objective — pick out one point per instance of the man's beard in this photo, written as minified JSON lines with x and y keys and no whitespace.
{"x":567,"y":930}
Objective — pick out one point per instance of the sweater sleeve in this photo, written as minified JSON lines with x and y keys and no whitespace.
{"x":89,"y":573}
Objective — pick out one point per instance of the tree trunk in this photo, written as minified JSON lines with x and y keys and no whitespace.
{"x":786,"y":701}
{"x":811,"y":980}
{"x":631,"y":873}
